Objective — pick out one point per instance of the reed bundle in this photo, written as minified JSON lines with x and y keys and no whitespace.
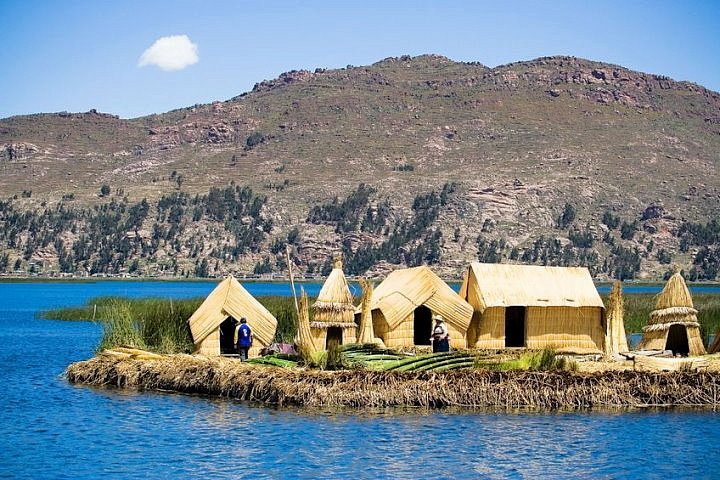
{"x":468,"y":388}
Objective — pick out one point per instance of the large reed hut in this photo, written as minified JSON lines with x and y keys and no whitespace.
{"x":404,"y":304}
{"x":333,"y":311}
{"x":213,"y":323}
{"x":534,"y":307}
{"x":673,"y":324}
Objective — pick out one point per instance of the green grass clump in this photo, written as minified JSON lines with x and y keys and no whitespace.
{"x":160,"y":325}
{"x":541,"y":361}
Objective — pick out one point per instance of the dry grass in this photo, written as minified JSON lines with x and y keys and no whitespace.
{"x":472,"y":388}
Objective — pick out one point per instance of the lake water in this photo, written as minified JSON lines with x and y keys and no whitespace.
{"x":51,"y":429}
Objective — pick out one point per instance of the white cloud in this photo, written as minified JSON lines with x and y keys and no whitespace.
{"x":170,"y":53}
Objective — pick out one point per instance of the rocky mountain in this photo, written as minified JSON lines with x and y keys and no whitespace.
{"x":411,"y":160}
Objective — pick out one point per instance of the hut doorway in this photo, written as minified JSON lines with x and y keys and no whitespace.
{"x":227,"y":336}
{"x":514,"y":326}
{"x":677,"y":340}
{"x":334,"y":337}
{"x":422,"y":325}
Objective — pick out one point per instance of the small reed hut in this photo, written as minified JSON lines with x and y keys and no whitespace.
{"x":213,"y":323}
{"x":333,"y":311}
{"x":673,"y":324}
{"x":534,"y":307}
{"x":403,"y":306}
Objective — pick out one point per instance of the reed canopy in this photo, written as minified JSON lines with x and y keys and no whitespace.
{"x":333,"y":311}
{"x":404,"y":304}
{"x":673,"y":324}
{"x":213,"y":323}
{"x":534,"y":307}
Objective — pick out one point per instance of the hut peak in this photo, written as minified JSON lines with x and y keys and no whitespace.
{"x":337,"y":262}
{"x":675,"y":293}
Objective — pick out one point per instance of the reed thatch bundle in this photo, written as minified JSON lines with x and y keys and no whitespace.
{"x":673,"y":307}
{"x":367,"y":389}
{"x":304,"y":339}
{"x":715,"y":347}
{"x":365,"y":333}
{"x":616,"y":338}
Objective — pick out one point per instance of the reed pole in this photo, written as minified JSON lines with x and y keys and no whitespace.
{"x":292,"y":281}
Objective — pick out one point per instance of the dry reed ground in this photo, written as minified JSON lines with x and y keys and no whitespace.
{"x":359,"y":388}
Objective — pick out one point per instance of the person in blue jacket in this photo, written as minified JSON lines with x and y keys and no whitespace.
{"x":243,"y":339}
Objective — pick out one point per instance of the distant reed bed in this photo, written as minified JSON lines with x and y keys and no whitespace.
{"x":160,"y":325}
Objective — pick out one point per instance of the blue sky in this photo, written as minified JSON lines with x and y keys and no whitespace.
{"x":77,"y":55}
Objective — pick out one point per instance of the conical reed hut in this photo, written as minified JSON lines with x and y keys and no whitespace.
{"x":673,"y":324}
{"x":304,"y":339}
{"x":615,"y":336}
{"x":213,"y":324}
{"x":333,"y":311}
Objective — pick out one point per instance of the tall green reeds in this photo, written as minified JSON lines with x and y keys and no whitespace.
{"x":160,"y":325}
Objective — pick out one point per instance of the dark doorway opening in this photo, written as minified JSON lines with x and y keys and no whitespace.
{"x":677,"y":340}
{"x":333,"y":338}
{"x":515,"y":326}
{"x":422,"y":325}
{"x":227,"y":336}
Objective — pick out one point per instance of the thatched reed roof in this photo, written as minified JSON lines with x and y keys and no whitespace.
{"x":674,"y":306}
{"x":500,"y":285}
{"x":335,"y":293}
{"x":674,"y":294}
{"x":230,"y":299}
{"x":406,"y":289}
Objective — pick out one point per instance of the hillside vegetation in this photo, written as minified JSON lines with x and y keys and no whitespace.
{"x":411,"y":160}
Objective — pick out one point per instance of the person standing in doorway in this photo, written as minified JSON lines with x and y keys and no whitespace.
{"x":243,"y":339}
{"x":440,"y":338}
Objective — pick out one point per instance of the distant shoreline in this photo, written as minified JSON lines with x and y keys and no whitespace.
{"x":76,"y":279}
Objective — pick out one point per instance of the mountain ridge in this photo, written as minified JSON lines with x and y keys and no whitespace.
{"x":519,"y":141}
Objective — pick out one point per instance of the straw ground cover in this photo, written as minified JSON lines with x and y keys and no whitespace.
{"x":368,"y":389}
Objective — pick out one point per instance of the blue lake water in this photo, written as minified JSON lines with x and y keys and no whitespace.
{"x":51,"y":429}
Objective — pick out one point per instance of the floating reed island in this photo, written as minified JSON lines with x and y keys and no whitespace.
{"x":470,"y":388}
{"x":523,"y":337}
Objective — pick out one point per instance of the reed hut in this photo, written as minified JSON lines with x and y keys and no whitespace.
{"x":404,"y":304}
{"x":673,"y":324}
{"x":213,"y":323}
{"x":534,"y":307}
{"x":333,"y":311}
{"x":616,"y":338}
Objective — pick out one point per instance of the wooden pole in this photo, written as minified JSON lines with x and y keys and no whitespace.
{"x":292,"y":281}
